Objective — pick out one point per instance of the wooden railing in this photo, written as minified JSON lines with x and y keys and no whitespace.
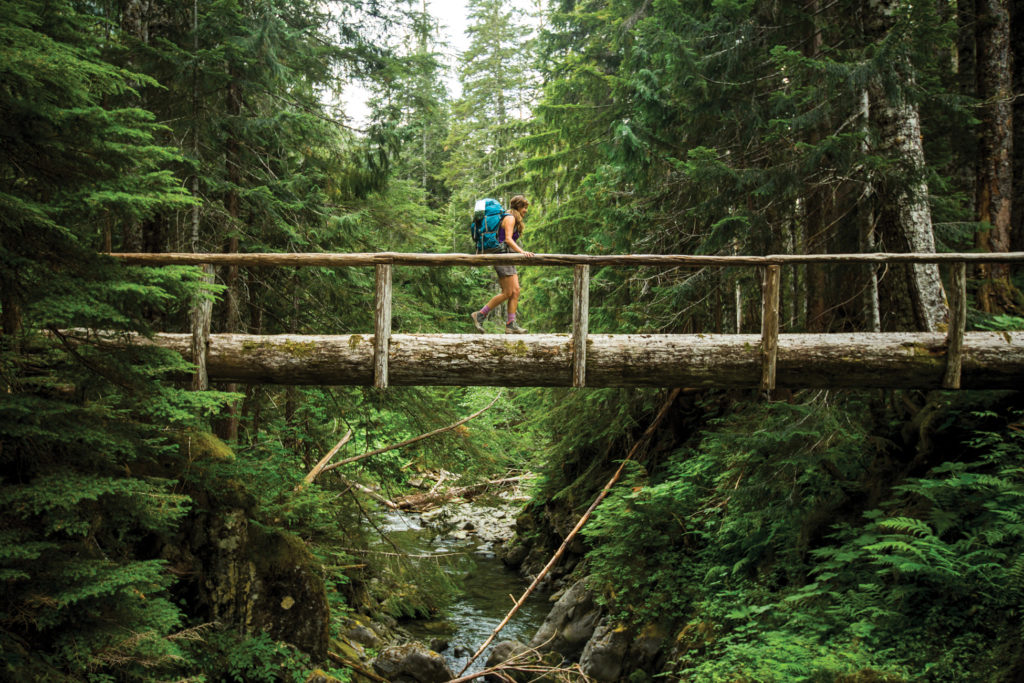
{"x":385,"y":261}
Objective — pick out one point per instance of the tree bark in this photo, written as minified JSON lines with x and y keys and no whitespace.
{"x":1017,"y":57}
{"x":228,"y":427}
{"x":199,"y":319}
{"x":903,"y":207}
{"x":991,"y":360}
{"x":901,"y":197}
{"x":818,"y":207}
{"x":994,"y":188}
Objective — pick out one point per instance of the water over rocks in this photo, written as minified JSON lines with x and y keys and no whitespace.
{"x":576,"y":627}
{"x":462,"y":521}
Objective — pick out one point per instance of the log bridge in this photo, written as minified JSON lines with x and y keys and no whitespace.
{"x":951,"y":360}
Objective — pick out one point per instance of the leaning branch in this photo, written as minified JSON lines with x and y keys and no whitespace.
{"x":308,"y":479}
{"x":579,"y":525}
{"x":415,"y":438}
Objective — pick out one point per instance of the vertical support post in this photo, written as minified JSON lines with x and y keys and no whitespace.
{"x":737,"y":291}
{"x":382,"y":326}
{"x":199,"y":318}
{"x":957,"y":326}
{"x":770,"y":326}
{"x":580,"y":323}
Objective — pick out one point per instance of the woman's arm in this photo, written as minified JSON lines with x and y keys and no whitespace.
{"x":508,"y":223}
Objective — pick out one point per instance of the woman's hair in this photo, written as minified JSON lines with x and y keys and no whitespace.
{"x":516,"y":206}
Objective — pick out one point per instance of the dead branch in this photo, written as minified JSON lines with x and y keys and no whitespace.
{"x":415,"y":438}
{"x":370,"y":492}
{"x":579,"y":525}
{"x":422,"y":501}
{"x":308,"y":479}
{"x":529,"y":661}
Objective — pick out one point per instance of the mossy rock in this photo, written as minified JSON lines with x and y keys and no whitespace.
{"x":264,"y":580}
{"x":353,"y":652}
{"x":197,"y":446}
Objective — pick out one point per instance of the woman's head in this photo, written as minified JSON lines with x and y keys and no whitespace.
{"x":519,"y":203}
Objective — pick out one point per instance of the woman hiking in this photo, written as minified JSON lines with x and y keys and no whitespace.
{"x":511,"y":228}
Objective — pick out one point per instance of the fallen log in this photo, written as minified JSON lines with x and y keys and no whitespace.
{"x":990,"y":360}
{"x":433,"y":498}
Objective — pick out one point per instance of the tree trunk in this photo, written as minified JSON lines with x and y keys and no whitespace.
{"x":1017,"y":56}
{"x":866,"y":229}
{"x":991,"y":360}
{"x":901,"y":197}
{"x":902,"y":208}
{"x":994,"y":189}
{"x":199,"y":318}
{"x":228,"y":429}
{"x":818,"y":207}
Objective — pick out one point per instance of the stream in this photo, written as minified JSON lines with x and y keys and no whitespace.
{"x":483,"y":597}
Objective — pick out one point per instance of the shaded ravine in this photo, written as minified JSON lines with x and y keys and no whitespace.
{"x":485,"y":586}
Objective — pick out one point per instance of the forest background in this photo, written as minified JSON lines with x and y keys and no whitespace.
{"x":820,"y":536}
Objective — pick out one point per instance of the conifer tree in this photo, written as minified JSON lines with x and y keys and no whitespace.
{"x":680,"y":127}
{"x":496,"y":96}
{"x":83,"y":425}
{"x":995,"y":181}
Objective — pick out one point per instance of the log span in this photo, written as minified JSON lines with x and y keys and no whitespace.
{"x":989,"y":360}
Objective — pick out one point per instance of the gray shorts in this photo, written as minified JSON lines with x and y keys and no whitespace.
{"x":502,"y":271}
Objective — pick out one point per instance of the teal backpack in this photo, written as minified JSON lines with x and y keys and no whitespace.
{"x":487,"y":215}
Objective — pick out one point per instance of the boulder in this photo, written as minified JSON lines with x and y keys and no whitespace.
{"x":504,"y":651}
{"x":513,"y":554}
{"x":361,"y":630}
{"x":646,"y":649}
{"x":412,"y":663}
{"x":617,"y":652}
{"x":570,"y":623}
{"x":507,"y":649}
{"x":604,"y":656}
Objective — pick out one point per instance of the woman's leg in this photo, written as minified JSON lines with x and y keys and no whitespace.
{"x":511,"y":284}
{"x":478,"y":317}
{"x":506,"y":284}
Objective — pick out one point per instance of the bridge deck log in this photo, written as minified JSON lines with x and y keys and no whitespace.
{"x":990,"y":360}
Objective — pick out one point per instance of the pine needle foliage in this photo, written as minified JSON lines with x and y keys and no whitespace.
{"x":84,"y":419}
{"x":714,"y":128}
{"x":787,"y":543}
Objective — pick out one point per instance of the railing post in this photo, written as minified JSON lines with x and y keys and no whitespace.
{"x":382,"y":326}
{"x":580,"y":324}
{"x":770,"y":326}
{"x":957,"y":326}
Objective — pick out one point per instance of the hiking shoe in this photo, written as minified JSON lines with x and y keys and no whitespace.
{"x":513,"y":328}
{"x":477,"y":321}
